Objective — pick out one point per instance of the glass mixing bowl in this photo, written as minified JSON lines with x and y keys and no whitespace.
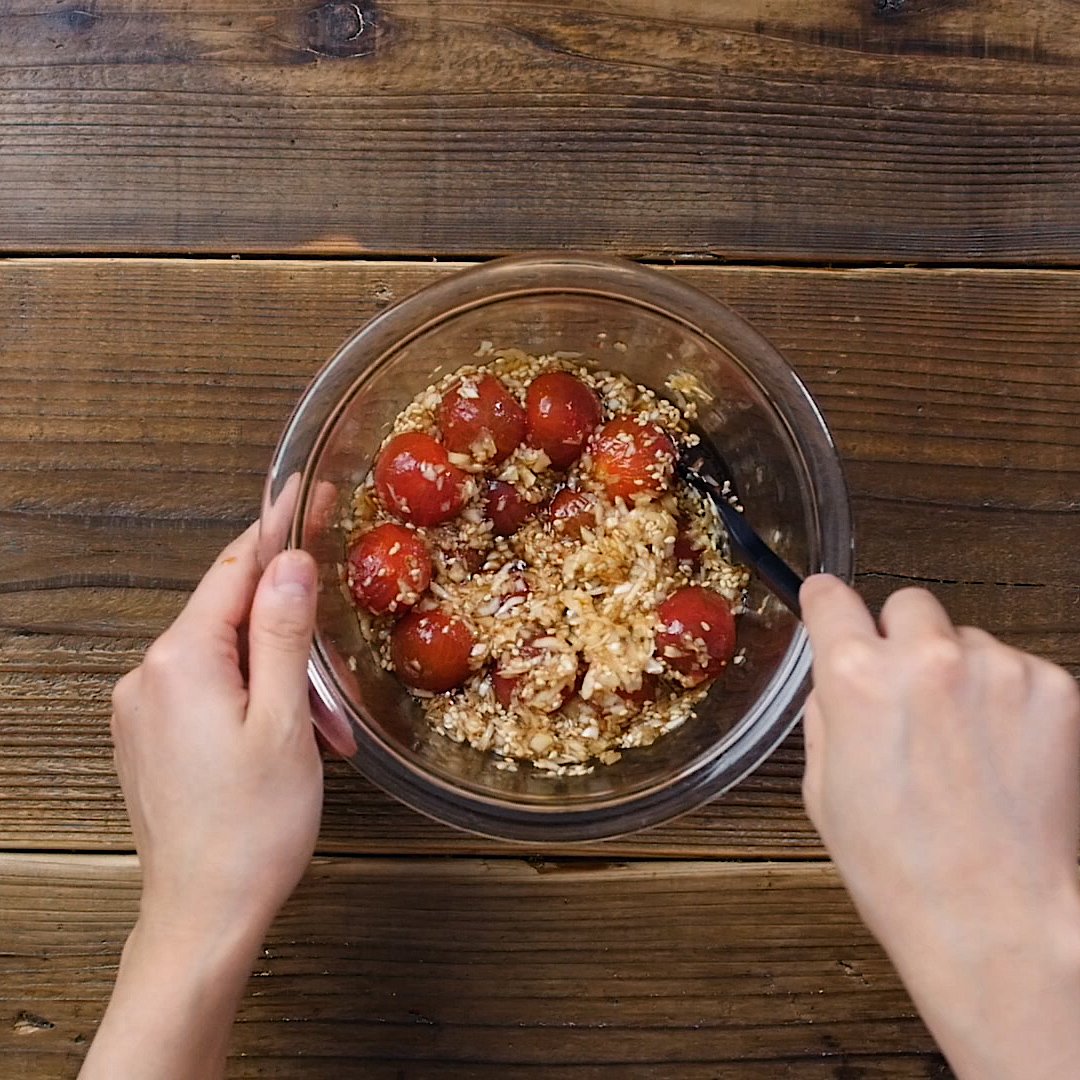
{"x":628,"y":318}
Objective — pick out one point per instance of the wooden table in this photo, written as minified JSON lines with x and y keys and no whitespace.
{"x":199,"y":202}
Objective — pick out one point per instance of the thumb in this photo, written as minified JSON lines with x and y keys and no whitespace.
{"x":279,"y":637}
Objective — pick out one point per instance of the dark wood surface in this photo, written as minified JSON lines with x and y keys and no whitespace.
{"x":141,"y":447}
{"x":854,"y":130}
{"x":457,"y":968}
{"x":141,"y":395}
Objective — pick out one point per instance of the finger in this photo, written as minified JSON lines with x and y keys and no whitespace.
{"x":124,"y":692}
{"x":1003,"y":673}
{"x":833,"y":612}
{"x":976,"y":638}
{"x":332,"y":729}
{"x":1057,"y":691}
{"x":279,"y":638}
{"x":324,"y":502}
{"x":222,"y":599}
{"x":276,"y":520}
{"x":911,"y":613}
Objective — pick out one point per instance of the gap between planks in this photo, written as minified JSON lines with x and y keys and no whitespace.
{"x":463,"y":261}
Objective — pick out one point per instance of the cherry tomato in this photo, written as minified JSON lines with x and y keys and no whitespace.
{"x":645,"y":693}
{"x":697,"y":635}
{"x":509,"y":591}
{"x":514,"y":585}
{"x":686,"y":549}
{"x":630,"y":458}
{"x":416,"y":481}
{"x":388,"y":568}
{"x":505,"y":686}
{"x":508,"y":687}
{"x":431,"y":650}
{"x":561,"y":414}
{"x":570,"y":511}
{"x":507,"y":508}
{"x":470,"y":558}
{"x":480,"y":417}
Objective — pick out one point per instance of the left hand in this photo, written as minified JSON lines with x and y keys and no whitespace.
{"x":220,"y":772}
{"x":223,"y":783}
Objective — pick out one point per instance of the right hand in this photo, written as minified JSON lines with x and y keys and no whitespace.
{"x":943,"y":774}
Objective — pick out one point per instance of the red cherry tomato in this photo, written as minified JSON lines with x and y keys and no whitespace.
{"x":697,"y":635}
{"x":431,"y":650}
{"x":561,"y":414}
{"x":480,"y":417}
{"x":507,"y":508}
{"x":388,"y":568}
{"x":505,"y":686}
{"x":645,"y":693}
{"x":630,"y":458}
{"x":570,"y":511}
{"x":508,"y":687}
{"x":686,"y":549}
{"x":510,"y":586}
{"x":415,"y":480}
{"x":470,"y":558}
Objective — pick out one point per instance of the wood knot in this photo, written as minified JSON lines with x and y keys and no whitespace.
{"x":888,"y":8}
{"x":340,"y":29}
{"x":28,"y":1023}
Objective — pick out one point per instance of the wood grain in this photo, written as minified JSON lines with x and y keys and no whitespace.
{"x":139,"y":444}
{"x":432,"y":968}
{"x":846,"y":130}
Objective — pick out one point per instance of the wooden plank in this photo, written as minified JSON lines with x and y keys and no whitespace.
{"x":744,"y":129}
{"x":452,"y":968}
{"x":140,"y":401}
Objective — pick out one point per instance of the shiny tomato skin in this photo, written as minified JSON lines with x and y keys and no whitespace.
{"x":416,"y":481}
{"x":630,"y":458}
{"x":431,"y":650}
{"x":686,"y":550}
{"x":480,"y":417}
{"x":389,"y":568}
{"x":561,"y":413}
{"x":507,"y":508}
{"x":470,"y":558}
{"x":506,"y":686}
{"x":646,"y":693}
{"x":570,"y":511}
{"x":697,"y":635}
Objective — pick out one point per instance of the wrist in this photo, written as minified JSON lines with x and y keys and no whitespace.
{"x":184,"y":946}
{"x":222,"y":923}
{"x":176,"y":994}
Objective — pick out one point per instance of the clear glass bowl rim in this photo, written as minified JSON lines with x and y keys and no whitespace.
{"x":752,"y":740}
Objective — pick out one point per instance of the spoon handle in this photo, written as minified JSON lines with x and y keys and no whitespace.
{"x":777,"y":576}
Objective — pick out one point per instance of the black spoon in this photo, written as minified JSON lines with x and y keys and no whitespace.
{"x":703,"y":471}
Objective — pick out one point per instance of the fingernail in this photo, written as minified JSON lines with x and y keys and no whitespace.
{"x":294,"y":573}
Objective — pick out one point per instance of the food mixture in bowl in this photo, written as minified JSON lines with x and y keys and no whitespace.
{"x":525,"y":559}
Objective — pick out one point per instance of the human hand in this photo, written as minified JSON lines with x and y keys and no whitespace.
{"x":221,"y":773}
{"x":223,"y":784}
{"x":942,"y":774}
